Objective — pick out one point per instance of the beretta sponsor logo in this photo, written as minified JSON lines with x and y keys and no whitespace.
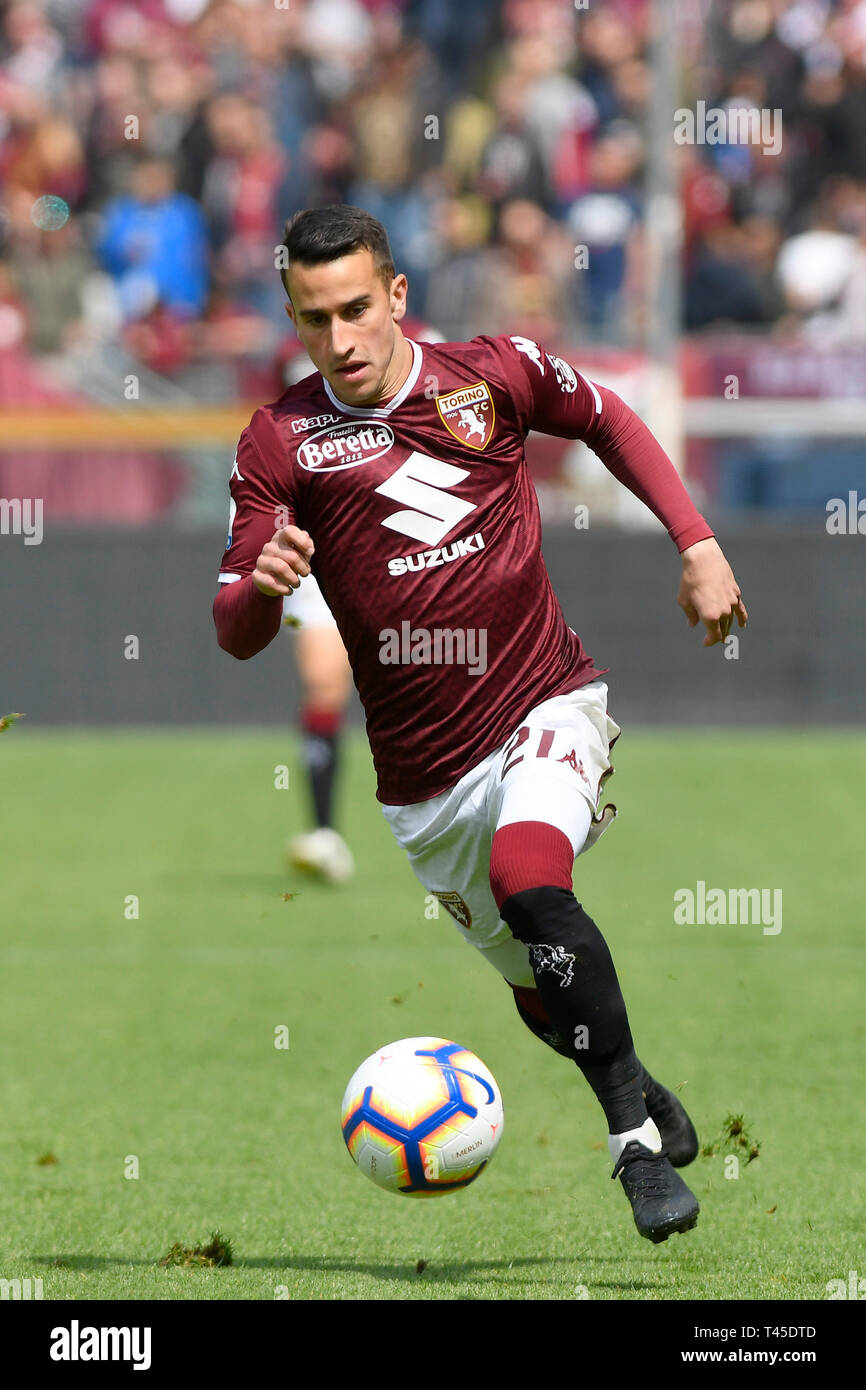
{"x":346,"y":445}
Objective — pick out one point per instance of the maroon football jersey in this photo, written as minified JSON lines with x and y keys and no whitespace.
{"x":428,"y":542}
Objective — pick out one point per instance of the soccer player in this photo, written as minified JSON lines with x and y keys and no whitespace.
{"x":326,"y":682}
{"x":325,"y":674}
{"x":396,"y":474}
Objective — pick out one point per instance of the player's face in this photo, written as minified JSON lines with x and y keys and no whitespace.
{"x":347,"y":320}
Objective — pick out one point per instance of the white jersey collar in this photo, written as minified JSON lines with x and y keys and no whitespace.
{"x":381,"y":410}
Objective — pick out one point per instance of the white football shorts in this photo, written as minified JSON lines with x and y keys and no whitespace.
{"x":306,"y":607}
{"x":550,"y":769}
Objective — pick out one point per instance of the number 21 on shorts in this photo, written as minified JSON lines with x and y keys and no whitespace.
{"x":510,"y":753}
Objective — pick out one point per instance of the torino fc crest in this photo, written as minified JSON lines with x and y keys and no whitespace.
{"x":457,"y":907}
{"x":468,"y":414}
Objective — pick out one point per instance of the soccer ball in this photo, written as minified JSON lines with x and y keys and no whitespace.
{"x":422,"y":1116}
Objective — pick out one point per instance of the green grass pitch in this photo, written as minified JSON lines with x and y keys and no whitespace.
{"x":147,"y":1043}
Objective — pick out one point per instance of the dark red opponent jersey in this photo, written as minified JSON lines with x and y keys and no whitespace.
{"x":428,"y":542}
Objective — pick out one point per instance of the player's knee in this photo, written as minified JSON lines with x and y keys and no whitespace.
{"x":543,"y":916}
{"x":527,"y":855}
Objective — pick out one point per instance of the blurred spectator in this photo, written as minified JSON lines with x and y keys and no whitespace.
{"x":604,"y":221}
{"x":815,"y":266}
{"x":527,"y":277}
{"x":327,"y":166}
{"x":558,"y":108}
{"x":511,"y":164}
{"x":160,"y":339}
{"x":47,"y":158}
{"x":49,"y":270}
{"x":726,"y":283}
{"x":35,"y":51}
{"x":154,"y":243}
{"x":117,"y":93}
{"x":13,"y":312}
{"x":606,"y":41}
{"x":460,"y":36}
{"x":848,"y":326}
{"x":239,"y":198}
{"x":454,"y":296}
{"x":174,"y":124}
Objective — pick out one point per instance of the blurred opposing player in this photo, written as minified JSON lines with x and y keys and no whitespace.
{"x":326,"y":677}
{"x":396,"y":473}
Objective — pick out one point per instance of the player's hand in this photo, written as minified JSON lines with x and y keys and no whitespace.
{"x":284,"y":562}
{"x":709,"y":593}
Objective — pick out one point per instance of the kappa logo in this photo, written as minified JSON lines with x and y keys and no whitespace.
{"x":531,"y":350}
{"x":469,"y":414}
{"x":312,"y":422}
{"x":454,"y":904}
{"x":555,"y":959}
{"x":233,"y":506}
{"x":576,"y":765}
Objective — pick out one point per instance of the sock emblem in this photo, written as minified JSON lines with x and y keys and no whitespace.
{"x":555,"y":959}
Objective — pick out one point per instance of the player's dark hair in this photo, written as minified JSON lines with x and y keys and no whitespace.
{"x":317,"y":235}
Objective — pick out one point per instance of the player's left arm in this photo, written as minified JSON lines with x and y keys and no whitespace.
{"x":554,"y":398}
{"x":709,"y":593}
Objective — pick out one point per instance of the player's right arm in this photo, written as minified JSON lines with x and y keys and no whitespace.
{"x":284,"y":562}
{"x":267,"y":553}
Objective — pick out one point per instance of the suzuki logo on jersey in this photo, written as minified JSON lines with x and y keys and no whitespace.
{"x":422,"y":481}
{"x":468,"y":414}
{"x":346,"y":445}
{"x":439,"y":555}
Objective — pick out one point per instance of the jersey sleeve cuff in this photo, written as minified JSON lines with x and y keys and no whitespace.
{"x":227,"y":577}
{"x":690,"y":534}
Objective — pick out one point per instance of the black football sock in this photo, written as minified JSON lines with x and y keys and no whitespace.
{"x":321,"y":747}
{"x":528,"y":1004}
{"x":576,"y":979}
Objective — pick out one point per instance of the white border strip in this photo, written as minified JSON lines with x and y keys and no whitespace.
{"x":595,"y":396}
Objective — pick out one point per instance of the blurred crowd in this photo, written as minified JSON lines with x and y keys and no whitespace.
{"x":150,"y":153}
